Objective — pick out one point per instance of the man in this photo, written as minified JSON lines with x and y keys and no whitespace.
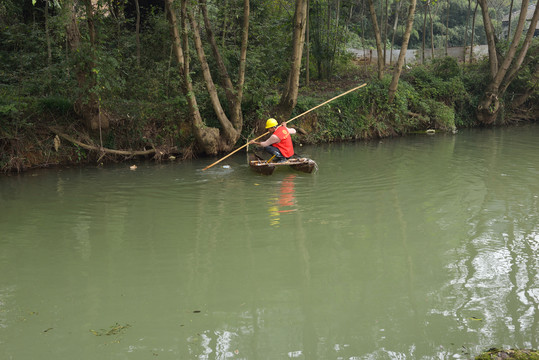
{"x":279,"y":143}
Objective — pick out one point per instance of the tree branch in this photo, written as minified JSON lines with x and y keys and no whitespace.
{"x":100,"y":149}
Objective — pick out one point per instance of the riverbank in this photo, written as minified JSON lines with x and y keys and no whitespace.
{"x":439,"y":97}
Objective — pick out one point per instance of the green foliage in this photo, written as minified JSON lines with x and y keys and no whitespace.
{"x":442,"y":115}
{"x":367,"y":114}
{"x":80,"y":153}
{"x":446,"y":68}
{"x":329,"y":35}
{"x":8,"y":111}
{"x":474,"y":78}
{"x":527,"y":75}
{"x":441,"y":89}
{"x":56,"y":105}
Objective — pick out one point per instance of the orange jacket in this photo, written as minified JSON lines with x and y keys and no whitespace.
{"x":285,"y":144}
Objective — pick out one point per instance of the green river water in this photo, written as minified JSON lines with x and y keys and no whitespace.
{"x":423,"y":247}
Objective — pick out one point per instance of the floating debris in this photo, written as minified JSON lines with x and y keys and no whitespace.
{"x":133,"y":167}
{"x":115,"y":329}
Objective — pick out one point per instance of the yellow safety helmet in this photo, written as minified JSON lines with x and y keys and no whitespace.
{"x":271,"y":123}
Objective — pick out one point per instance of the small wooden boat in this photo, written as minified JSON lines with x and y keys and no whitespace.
{"x":261,"y":166}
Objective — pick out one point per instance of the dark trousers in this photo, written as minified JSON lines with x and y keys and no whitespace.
{"x":274,"y":151}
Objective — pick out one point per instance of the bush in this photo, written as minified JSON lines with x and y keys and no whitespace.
{"x":56,"y":105}
{"x":446,"y":68}
{"x":442,"y":115}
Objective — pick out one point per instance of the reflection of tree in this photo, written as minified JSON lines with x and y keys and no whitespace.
{"x":492,"y":291}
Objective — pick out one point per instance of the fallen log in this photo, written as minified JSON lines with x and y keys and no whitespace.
{"x":102,"y":149}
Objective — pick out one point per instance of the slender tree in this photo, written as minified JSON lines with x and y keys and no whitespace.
{"x":137,"y":30}
{"x":207,"y":137}
{"x":378,"y":36}
{"x":400,"y":62}
{"x":47,"y":35}
{"x":87,"y":103}
{"x":447,"y":28}
{"x":424,"y":32}
{"x":211,"y":140}
{"x":466,"y":29}
{"x":308,"y":50}
{"x":289,"y":96}
{"x":431,"y":34}
{"x":510,"y":16}
{"x":473,"y":31}
{"x":385,"y":24}
{"x":395,"y":24}
{"x":336,"y":37}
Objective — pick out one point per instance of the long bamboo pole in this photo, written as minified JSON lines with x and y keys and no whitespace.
{"x":294,"y":118}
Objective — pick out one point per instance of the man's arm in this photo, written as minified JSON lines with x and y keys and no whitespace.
{"x":290,"y":130}
{"x":271,"y":140}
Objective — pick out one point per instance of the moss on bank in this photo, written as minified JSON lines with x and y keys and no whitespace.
{"x":520,"y":354}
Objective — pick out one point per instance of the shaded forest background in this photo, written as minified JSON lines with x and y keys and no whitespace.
{"x":86,"y":81}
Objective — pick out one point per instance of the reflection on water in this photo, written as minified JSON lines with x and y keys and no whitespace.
{"x":284,"y":202}
{"x":415,"y":248}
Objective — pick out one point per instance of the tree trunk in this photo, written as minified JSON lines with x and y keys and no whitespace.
{"x":47,"y":37}
{"x":510,"y":16}
{"x":466,"y":31}
{"x":431,"y":34}
{"x":473,"y":32}
{"x":522,"y":98}
{"x":289,"y":97}
{"x":234,"y":97}
{"x":86,"y":105}
{"x":207,"y":138}
{"x":516,"y":66}
{"x":308,"y":50}
{"x":397,"y":11}
{"x":237,"y":118}
{"x":491,"y":42}
{"x":72,"y":28}
{"x":363,"y":37}
{"x":424,"y":32}
{"x":336,"y":39}
{"x":447,"y":28}
{"x":229,"y":134}
{"x":225,"y":24}
{"x":137,"y":31}
{"x":385,"y":22}
{"x":381,"y":61}
{"x":489,"y":105}
{"x":402,"y":55}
